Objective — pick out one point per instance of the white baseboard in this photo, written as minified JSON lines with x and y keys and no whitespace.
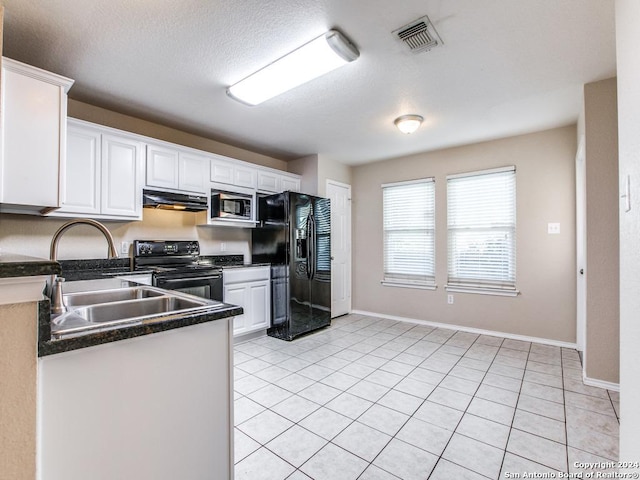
{"x":593,"y":382}
{"x":525,"y":338}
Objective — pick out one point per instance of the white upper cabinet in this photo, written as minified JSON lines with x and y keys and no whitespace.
{"x":176,"y":169}
{"x":162,"y":167}
{"x":122,"y":172}
{"x":232,"y":172}
{"x":34,"y":110}
{"x":103,"y":177}
{"x":272,"y":181}
{"x":80,"y":183}
{"x":193,"y":172}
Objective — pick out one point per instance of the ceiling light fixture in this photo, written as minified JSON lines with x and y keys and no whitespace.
{"x":321,"y":55}
{"x":408,"y":123}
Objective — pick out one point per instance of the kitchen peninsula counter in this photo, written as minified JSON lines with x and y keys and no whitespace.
{"x":48,"y":346}
{"x":13,"y":265}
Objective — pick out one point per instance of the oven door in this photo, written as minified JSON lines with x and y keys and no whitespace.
{"x":206,"y":286}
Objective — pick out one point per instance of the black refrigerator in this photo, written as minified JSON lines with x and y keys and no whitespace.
{"x":294,"y":236}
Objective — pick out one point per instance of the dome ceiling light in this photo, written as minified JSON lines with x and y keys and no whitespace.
{"x":408,"y":123}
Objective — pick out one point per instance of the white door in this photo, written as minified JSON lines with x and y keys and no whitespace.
{"x":340,"y":196}
{"x":581,"y":250}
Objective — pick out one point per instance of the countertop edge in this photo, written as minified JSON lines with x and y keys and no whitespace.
{"x":12,"y":266}
{"x":48,"y":346}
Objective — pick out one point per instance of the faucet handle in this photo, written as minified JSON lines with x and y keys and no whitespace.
{"x":58,"y":307}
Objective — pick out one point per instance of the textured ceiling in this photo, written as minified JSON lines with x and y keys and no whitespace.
{"x":507,"y":67}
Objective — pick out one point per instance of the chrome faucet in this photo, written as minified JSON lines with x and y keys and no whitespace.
{"x":53,"y":251}
{"x":58,"y":306}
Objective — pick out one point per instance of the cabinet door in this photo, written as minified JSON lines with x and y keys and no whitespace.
{"x":244,"y":177}
{"x":269,"y":182}
{"x":80,"y":183}
{"x":32,"y":142}
{"x":222,"y":172}
{"x":122,"y":176}
{"x":289,"y":184}
{"x":193,"y":173}
{"x":259,"y":306}
{"x":235,"y":294}
{"x":162,"y":167}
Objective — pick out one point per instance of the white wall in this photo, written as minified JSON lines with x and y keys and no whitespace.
{"x":628,"y":57}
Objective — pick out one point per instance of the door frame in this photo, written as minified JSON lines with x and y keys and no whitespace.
{"x":581,"y":250}
{"x":338,"y":184}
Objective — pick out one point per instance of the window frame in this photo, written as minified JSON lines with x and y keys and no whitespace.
{"x":405,"y":280}
{"x":505,"y":286}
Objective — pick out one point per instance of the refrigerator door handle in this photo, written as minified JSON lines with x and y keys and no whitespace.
{"x":312,"y":243}
{"x":308,"y":246}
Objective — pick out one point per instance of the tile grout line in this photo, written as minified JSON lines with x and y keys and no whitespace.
{"x":397,"y":334}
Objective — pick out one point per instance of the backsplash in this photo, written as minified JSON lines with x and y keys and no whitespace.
{"x":31,"y":235}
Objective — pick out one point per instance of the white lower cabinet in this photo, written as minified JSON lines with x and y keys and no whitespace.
{"x":103,"y":175}
{"x":249,"y":288}
{"x":155,"y":407}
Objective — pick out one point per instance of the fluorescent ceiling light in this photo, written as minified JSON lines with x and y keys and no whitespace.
{"x":321,"y":55}
{"x":408,"y":123}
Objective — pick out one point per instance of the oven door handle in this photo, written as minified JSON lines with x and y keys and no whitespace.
{"x":183,"y":279}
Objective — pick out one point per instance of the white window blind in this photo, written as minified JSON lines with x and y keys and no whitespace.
{"x":409,"y":227}
{"x":481,"y":220}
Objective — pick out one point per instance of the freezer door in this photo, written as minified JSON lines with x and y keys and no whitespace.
{"x":320,"y":262}
{"x":299,"y":282}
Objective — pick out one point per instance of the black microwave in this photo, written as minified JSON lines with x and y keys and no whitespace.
{"x":233,"y":206}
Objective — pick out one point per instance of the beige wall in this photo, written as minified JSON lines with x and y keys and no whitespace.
{"x":331,"y":170}
{"x":546,"y":276}
{"x":91,"y":113}
{"x":602,"y":249}
{"x":308,"y":168}
{"x":316,"y":170}
{"x":31,"y":235}
{"x":18,"y":387}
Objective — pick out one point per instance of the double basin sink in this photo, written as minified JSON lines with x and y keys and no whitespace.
{"x":89,"y":312}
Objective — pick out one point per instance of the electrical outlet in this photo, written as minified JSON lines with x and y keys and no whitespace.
{"x":124,"y":248}
{"x":223,"y":247}
{"x":553,"y":228}
{"x":450,"y":299}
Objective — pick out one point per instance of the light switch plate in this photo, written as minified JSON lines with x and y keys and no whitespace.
{"x":553,"y":228}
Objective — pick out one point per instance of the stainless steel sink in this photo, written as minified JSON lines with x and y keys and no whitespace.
{"x":108,"y":312}
{"x":108,"y":296}
{"x":101,"y":310}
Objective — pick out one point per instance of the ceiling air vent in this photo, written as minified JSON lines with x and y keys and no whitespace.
{"x":420,"y":35}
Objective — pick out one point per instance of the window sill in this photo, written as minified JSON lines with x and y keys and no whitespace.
{"x":482,"y":291}
{"x":417,"y":286}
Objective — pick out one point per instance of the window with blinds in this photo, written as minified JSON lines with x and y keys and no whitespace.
{"x":481,"y":222}
{"x":409,"y":231}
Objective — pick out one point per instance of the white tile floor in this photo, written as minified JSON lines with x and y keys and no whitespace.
{"x":370,"y":398}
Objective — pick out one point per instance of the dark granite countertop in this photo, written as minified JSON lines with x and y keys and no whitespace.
{"x":49,"y":346}
{"x":73,"y":270}
{"x":12,"y":265}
